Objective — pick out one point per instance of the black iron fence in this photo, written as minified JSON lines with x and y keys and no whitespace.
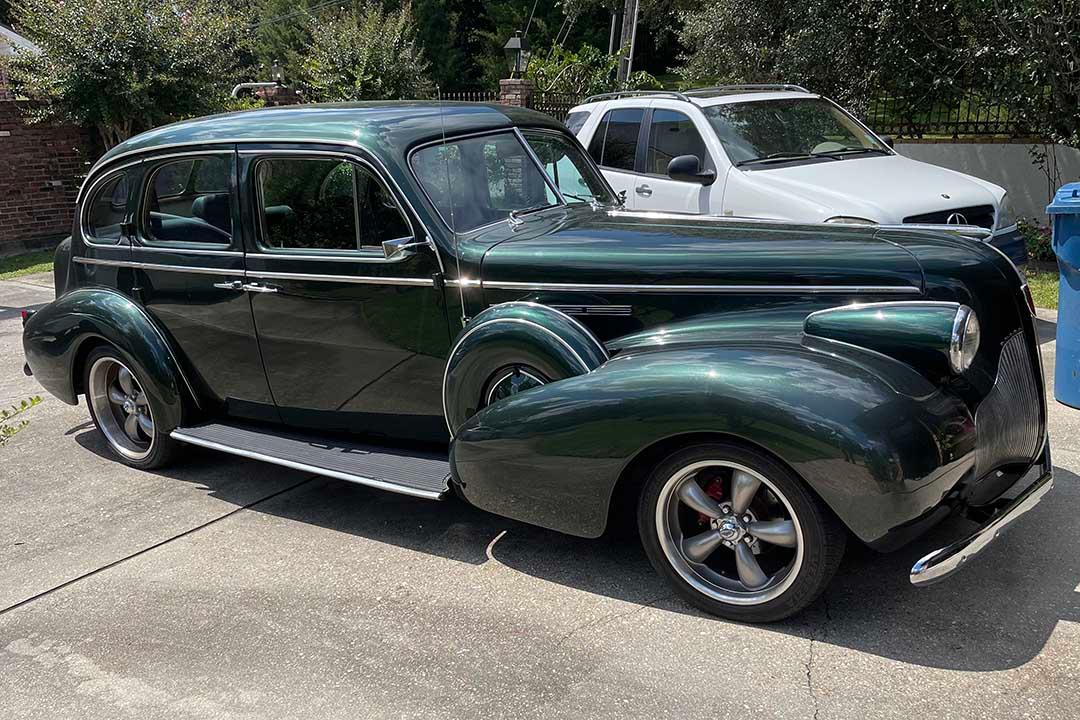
{"x":472,"y":96}
{"x":555,"y":104}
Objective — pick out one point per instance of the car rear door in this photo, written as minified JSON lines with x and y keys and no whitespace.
{"x":616,"y":146}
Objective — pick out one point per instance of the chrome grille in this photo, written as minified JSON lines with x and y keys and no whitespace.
{"x":980,"y":215}
{"x":1009,"y":420}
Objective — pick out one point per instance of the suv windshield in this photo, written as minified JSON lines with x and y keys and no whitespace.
{"x":767,"y":131}
{"x":476,"y":181}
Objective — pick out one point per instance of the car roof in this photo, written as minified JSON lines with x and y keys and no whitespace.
{"x":384,"y":128}
{"x":727,"y":98}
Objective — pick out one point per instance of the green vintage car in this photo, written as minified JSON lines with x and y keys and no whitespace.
{"x":448,"y":298}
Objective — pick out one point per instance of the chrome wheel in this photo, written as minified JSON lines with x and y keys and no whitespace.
{"x":511,"y":382}
{"x":729,"y":532}
{"x":121,"y":408}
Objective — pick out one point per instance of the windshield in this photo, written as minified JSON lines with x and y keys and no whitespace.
{"x":480,"y":180}
{"x":566,"y":165}
{"x":777,"y":130}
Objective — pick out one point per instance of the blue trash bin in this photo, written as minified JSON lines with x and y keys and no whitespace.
{"x":1064,"y":212}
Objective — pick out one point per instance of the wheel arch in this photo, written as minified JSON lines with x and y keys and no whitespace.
{"x":58,"y":339}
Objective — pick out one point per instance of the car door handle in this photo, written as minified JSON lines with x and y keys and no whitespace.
{"x":231,"y":285}
{"x":258,"y":288}
{"x":644,"y":190}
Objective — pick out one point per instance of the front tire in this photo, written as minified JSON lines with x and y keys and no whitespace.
{"x":737,"y":533}
{"x":123,"y":412}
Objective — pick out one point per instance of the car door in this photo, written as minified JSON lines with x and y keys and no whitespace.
{"x":668,"y":134}
{"x":188,"y":260}
{"x":616,"y":145}
{"x":351,"y":340}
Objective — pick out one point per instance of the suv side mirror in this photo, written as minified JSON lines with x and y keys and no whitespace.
{"x":887,"y":139}
{"x":687,"y":168}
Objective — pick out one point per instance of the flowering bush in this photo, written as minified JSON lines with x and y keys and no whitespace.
{"x":1038,"y":240}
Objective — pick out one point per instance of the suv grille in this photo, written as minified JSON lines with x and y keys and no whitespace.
{"x":1009,"y":420}
{"x":980,"y":215}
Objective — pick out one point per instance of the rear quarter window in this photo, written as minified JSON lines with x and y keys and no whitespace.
{"x":576,"y":120}
{"x":106,"y":210}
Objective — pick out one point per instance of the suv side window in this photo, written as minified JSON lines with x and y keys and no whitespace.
{"x":576,"y":120}
{"x":614,"y":145}
{"x":189,"y":201}
{"x":325,"y":204}
{"x":107,"y":210}
{"x":672,"y":134}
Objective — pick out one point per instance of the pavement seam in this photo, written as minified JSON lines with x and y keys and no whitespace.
{"x":156,"y":545}
{"x":810,"y":658}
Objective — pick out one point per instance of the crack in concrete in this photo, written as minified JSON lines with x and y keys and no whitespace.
{"x":608,"y":619}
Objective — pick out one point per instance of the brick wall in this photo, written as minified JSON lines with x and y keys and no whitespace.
{"x":41,"y":167}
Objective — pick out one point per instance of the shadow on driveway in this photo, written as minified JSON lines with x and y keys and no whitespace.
{"x":994,"y":615}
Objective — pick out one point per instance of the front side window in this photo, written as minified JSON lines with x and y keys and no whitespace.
{"x":107,"y":210}
{"x":615,"y":143}
{"x":325,"y":204}
{"x":671,"y":134}
{"x":567,"y":167}
{"x":481,"y":180}
{"x":189,"y":201}
{"x":766,"y":131}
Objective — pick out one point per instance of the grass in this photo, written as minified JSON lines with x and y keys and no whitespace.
{"x":28,"y":264}
{"x":1044,"y":287}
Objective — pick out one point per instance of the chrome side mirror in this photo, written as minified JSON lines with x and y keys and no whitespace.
{"x":401,"y":248}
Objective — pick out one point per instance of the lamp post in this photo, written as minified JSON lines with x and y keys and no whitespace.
{"x":517,"y":54}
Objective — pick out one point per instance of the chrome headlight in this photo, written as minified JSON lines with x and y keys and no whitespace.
{"x":1005,"y":216}
{"x":850,"y":220}
{"x":965,"y":339}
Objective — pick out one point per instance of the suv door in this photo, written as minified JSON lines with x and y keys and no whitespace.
{"x":189,"y":270}
{"x":670,"y":133}
{"x":351,"y":341}
{"x":616,"y":146}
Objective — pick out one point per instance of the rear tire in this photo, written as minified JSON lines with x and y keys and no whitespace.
{"x":123,"y":412}
{"x":737,"y":533}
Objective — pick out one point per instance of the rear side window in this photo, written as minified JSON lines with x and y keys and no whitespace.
{"x":576,"y":120}
{"x":671,"y":134}
{"x":107,"y":210}
{"x":615,"y":143}
{"x":325,"y":204}
{"x":189,"y":201}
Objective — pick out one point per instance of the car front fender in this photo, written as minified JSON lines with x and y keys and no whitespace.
{"x":877,"y":442}
{"x":55,"y":335}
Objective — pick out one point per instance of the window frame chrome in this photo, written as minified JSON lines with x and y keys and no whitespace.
{"x":146,"y":240}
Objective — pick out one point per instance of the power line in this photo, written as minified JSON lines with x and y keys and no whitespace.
{"x":305,"y":11}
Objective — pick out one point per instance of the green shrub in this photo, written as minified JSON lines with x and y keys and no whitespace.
{"x":1037,"y":239}
{"x":8,"y":425}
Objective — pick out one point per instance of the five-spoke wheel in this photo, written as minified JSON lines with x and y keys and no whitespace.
{"x":123,"y":411}
{"x":737,"y":532}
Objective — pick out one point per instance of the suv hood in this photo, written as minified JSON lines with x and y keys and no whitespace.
{"x":882,"y":189}
{"x":611,"y":248}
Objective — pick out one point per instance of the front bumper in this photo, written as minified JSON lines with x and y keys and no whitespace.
{"x":943,"y":562}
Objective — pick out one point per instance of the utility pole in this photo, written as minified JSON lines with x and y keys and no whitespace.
{"x":627,"y":39}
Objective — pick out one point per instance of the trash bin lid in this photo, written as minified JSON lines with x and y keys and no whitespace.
{"x":1066,"y":200}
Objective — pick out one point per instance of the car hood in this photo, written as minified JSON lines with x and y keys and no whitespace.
{"x":580,"y":246}
{"x":883,"y":189}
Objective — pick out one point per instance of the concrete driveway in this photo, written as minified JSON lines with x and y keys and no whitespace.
{"x":223,"y":588}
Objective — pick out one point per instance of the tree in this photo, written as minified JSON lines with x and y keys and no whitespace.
{"x":123,"y":66}
{"x":365,"y":54}
{"x":585,"y":72}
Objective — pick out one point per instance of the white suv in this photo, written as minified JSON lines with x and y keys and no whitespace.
{"x":776,"y":152}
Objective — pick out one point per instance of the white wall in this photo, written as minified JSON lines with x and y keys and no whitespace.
{"x":1008,"y":165}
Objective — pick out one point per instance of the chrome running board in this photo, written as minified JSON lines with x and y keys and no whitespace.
{"x":939,"y":564}
{"x":423,"y":475}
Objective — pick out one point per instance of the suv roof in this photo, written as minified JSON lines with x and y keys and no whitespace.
{"x":709,"y":95}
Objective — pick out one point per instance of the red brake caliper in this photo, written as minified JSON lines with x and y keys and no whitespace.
{"x":715,"y":489}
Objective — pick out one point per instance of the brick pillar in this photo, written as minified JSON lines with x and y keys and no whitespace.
{"x":516,"y":91}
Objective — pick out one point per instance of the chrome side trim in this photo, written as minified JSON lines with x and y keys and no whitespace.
{"x":886,"y":304}
{"x":154,"y":266}
{"x":573,"y":321}
{"x":945,"y":561}
{"x":595,"y":310}
{"x":356,"y":257}
{"x":755,"y":289}
{"x":186,"y":250}
{"x":354,"y":279}
{"x":179,"y":434}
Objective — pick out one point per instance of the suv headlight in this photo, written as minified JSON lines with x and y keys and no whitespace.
{"x":1005,"y":216}
{"x":965,"y":339}
{"x":850,"y":220}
